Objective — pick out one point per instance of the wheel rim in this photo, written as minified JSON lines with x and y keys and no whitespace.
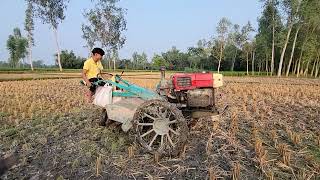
{"x":158,"y":127}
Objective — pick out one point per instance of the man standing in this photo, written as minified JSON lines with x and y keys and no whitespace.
{"x":92,"y":71}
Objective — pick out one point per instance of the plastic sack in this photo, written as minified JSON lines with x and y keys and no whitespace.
{"x":103,"y":96}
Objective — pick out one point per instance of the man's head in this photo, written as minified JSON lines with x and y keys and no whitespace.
{"x":97,"y":54}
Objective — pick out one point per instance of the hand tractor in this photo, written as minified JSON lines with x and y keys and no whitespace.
{"x":156,"y":118}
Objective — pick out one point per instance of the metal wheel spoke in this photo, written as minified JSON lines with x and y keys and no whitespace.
{"x":164,"y":114}
{"x":172,"y":122}
{"x":153,"y":139}
{"x":148,"y":132}
{"x":174,"y":132}
{"x":162,"y":138}
{"x":154,"y":110}
{"x":147,"y":115}
{"x":170,"y":140}
{"x":145,"y":124}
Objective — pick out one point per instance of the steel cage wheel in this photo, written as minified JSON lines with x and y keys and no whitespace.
{"x":160,"y":127}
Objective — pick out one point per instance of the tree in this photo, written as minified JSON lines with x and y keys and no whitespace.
{"x":177,"y":60}
{"x":158,"y":61}
{"x":235,"y":42}
{"x":253,"y":50}
{"x":143,"y":60}
{"x":17,"y":46}
{"x":195,"y":55}
{"x":222,"y":30}
{"x":292,"y":51}
{"x":29,"y":27}
{"x":139,"y":60}
{"x":245,"y":44}
{"x":247,"y":49}
{"x":52,"y":12}
{"x":135,"y":57}
{"x":268,"y":31}
{"x":291,"y":7}
{"x":125,"y":64}
{"x":89,"y":36}
{"x":106,"y":25}
{"x":69,"y":60}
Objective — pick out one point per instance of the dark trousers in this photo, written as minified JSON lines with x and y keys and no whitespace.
{"x":93,"y":87}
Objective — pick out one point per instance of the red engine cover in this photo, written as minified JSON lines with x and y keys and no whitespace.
{"x":188,"y":81}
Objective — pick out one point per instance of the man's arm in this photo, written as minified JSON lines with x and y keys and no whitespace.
{"x":84,"y":77}
{"x":105,"y":75}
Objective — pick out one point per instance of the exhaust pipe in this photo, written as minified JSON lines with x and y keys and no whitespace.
{"x":163,"y":73}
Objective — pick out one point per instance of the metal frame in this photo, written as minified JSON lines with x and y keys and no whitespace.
{"x":129,"y":90}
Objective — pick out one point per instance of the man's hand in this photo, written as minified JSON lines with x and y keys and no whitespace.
{"x":84,"y":77}
{"x":106,"y":75}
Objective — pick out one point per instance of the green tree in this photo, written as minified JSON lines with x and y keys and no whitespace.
{"x":135,"y":59}
{"x":29,"y":27}
{"x":69,"y":60}
{"x":89,"y":36}
{"x":291,"y":8}
{"x":176,"y":59}
{"x":106,"y":25}
{"x":245,"y":41}
{"x":125,"y":64}
{"x":52,"y":12}
{"x":140,"y":61}
{"x":269,"y":29}
{"x":234,"y":39}
{"x":143,"y":60}
{"x":17,"y":46}
{"x":222,"y":30}
{"x":195,"y":55}
{"x":158,"y":61}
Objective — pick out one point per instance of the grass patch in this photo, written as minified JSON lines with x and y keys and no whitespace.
{"x":3,"y":114}
{"x":315,"y":152}
{"x":11,"y":132}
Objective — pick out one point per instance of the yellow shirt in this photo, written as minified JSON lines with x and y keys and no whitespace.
{"x":93,"y":68}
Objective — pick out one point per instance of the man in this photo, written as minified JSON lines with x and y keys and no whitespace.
{"x":92,"y":71}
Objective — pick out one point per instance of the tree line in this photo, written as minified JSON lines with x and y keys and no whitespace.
{"x":286,"y":41}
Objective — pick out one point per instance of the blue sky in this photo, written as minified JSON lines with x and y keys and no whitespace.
{"x":154,"y":26}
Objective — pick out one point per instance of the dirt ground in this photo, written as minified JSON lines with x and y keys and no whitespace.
{"x":270,"y":131}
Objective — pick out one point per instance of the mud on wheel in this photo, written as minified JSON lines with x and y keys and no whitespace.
{"x":160,"y":127}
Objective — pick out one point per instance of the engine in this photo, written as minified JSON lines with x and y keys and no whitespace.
{"x":190,"y":91}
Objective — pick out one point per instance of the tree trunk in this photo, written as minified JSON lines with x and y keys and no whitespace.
{"x":284,"y":50}
{"x":114,"y":64}
{"x":234,"y":59}
{"x":272,"y":53}
{"x":248,"y":63}
{"x":292,"y":51}
{"x":299,"y":64}
{"x":30,"y":53}
{"x":267,"y":70}
{"x":252,"y":66}
{"x":220,"y":57}
{"x":30,"y":58}
{"x":58,"y":47}
{"x":317,"y":67}
{"x":259,"y":68}
{"x":295,"y":67}
{"x":313,"y":66}
{"x":306,"y":70}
